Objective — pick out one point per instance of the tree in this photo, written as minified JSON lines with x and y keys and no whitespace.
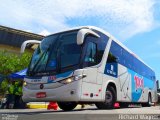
{"x":11,"y":62}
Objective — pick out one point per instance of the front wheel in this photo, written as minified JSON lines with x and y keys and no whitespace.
{"x":67,"y":106}
{"x":110,"y":99}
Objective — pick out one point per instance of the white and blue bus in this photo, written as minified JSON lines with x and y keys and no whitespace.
{"x":88,"y":65}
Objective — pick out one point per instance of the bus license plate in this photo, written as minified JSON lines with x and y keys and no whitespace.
{"x":41,"y":95}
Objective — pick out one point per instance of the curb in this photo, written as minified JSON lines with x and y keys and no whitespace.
{"x":37,"y":106}
{"x":44,"y":106}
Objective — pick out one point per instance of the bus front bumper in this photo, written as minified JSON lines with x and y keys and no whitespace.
{"x":67,"y":92}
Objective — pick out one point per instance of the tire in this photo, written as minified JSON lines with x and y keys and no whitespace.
{"x":147,"y":104}
{"x":110,"y":99}
{"x":124,"y":105}
{"x":67,"y":106}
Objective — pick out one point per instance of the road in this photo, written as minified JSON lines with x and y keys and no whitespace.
{"x":88,"y":113}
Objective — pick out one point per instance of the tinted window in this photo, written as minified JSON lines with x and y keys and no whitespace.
{"x":116,"y":53}
{"x":90,"y":57}
{"x":101,"y":44}
{"x":56,"y":53}
{"x":128,"y":59}
{"x":70,"y":51}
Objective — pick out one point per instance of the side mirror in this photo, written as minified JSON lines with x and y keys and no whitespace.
{"x":24,"y":44}
{"x":82,"y":33}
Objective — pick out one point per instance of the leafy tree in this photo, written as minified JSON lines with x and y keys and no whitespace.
{"x":10,"y":63}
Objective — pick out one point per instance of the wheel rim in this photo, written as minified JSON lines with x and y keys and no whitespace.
{"x":109,"y":97}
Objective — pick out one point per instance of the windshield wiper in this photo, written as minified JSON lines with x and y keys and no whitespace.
{"x":37,"y":63}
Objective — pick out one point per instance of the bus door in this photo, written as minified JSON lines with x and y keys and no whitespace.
{"x":90,"y":88}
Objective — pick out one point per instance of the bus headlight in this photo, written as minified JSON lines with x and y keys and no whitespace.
{"x":68,"y":80}
{"x":24,"y":83}
{"x":73,"y":78}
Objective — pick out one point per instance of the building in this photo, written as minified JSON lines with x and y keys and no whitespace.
{"x":14,"y":37}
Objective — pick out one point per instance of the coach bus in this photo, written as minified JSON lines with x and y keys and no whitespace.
{"x":88,"y":65}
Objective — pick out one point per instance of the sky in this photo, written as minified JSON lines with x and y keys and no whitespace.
{"x":136,"y":23}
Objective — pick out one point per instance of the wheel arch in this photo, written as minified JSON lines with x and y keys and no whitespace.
{"x":105,"y":86}
{"x":150,"y":94}
{"x":112,"y":84}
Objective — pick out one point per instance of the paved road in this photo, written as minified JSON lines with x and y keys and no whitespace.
{"x":88,"y":113}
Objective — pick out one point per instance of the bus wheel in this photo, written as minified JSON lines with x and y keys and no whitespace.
{"x":110,"y":99}
{"x":149,"y":103}
{"x":67,"y":106}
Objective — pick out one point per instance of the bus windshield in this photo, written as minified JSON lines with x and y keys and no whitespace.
{"x":56,"y":52}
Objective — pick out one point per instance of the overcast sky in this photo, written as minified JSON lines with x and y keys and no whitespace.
{"x":136,"y":23}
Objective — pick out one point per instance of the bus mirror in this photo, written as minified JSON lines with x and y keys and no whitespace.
{"x":82,"y":33}
{"x":24,"y":44}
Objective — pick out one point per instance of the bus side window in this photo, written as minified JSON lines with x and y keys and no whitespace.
{"x":111,"y":58}
{"x":114,"y":55}
{"x":91,"y":55}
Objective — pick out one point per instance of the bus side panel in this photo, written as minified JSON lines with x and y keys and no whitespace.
{"x":91,"y":85}
{"x":124,"y":84}
{"x":141,"y":86}
{"x":154,"y":96}
{"x":91,"y":92}
{"x":119,"y":75}
{"x":131,"y":87}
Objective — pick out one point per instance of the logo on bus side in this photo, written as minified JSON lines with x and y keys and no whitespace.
{"x":139,"y":82}
{"x":111,"y":69}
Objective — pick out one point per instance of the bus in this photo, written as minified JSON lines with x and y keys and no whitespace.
{"x":87,"y":65}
